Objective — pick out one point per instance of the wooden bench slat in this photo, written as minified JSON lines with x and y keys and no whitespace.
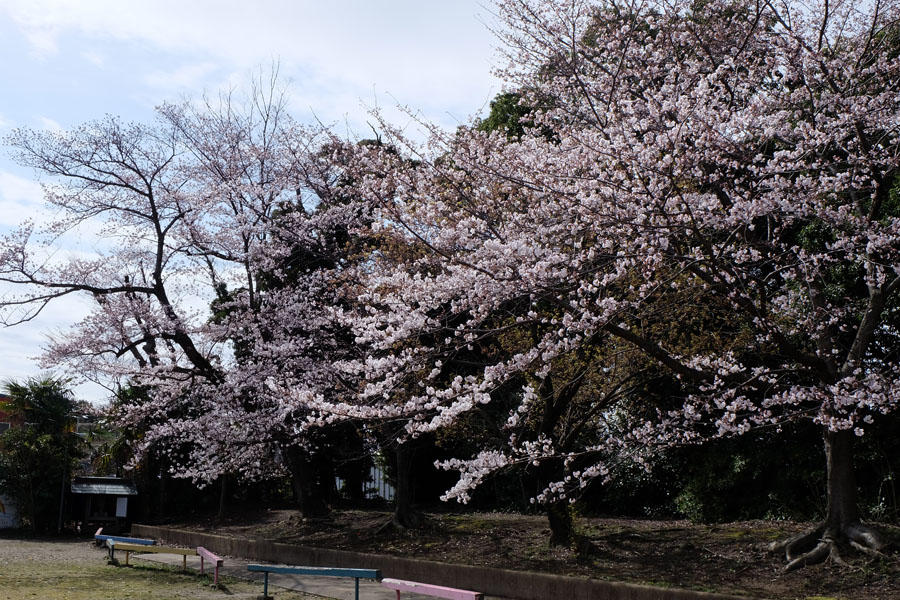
{"x":130,"y":548}
{"x":156,"y":549}
{"x":427,"y":589}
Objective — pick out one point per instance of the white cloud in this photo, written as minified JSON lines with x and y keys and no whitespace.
{"x":421,"y":51}
{"x":42,"y":40}
{"x":20,"y":199}
{"x":183,"y":77}
{"x":49,"y":124}
{"x":21,"y":345}
{"x":94,"y":57}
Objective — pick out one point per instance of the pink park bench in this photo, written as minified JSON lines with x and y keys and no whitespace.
{"x":212,"y":558}
{"x":426,"y":589}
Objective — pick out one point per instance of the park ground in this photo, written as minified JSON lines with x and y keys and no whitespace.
{"x":75,"y":569}
{"x":729,"y":558}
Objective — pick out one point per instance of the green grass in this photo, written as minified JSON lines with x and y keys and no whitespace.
{"x":95,"y":580}
{"x":467,"y":523}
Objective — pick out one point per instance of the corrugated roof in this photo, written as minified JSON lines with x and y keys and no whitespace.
{"x":106,"y":486}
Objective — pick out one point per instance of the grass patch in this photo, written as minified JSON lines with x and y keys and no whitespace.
{"x":468,"y":524}
{"x":93,"y":579}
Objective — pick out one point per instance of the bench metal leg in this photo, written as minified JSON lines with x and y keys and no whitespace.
{"x":356,"y":581}
{"x":266,"y":584}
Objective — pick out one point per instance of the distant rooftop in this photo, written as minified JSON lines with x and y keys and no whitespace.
{"x":107,"y":486}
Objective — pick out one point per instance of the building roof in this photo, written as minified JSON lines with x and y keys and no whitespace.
{"x":106,"y":486}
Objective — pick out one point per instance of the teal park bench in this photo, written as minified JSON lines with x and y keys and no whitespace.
{"x":100,"y":537}
{"x":427,"y":589}
{"x":356,"y":574}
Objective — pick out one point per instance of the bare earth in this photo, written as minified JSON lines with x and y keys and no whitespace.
{"x":729,"y":558}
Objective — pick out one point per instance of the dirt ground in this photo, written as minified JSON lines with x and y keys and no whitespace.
{"x":728,"y":558}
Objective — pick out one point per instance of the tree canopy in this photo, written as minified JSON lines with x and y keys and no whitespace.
{"x":680,"y":225}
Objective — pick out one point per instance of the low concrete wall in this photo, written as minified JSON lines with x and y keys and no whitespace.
{"x":520,"y":585}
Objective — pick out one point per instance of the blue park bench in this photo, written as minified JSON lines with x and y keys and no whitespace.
{"x":356,"y":574}
{"x":101,"y":537}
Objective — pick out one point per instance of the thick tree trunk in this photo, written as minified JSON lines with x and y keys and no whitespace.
{"x":223,"y":496}
{"x":841,"y":510}
{"x":842,"y":524}
{"x":306,"y":492}
{"x":559,"y":515}
{"x":562,"y":525}
{"x":355,"y":486}
{"x":405,"y":514}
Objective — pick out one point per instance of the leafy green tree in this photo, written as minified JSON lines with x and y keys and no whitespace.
{"x":37,"y":459}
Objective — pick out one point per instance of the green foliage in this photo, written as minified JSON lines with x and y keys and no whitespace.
{"x":752,"y":477}
{"x":877,"y":463}
{"x":890,"y":207}
{"x":37,"y":459}
{"x":508,"y":115}
{"x":43,"y":402}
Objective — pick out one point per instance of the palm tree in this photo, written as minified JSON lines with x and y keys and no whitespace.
{"x":40,"y":456}
{"x":44,"y":402}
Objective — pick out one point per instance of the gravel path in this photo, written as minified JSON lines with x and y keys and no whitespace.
{"x":51,"y":550}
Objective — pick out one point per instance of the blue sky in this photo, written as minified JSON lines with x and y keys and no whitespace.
{"x":64,"y":62}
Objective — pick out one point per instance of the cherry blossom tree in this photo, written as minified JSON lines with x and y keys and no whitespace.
{"x":228,"y":201}
{"x":736,"y":154}
{"x":700,"y":192}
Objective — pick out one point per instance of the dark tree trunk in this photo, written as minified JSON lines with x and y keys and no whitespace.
{"x":355,"y":486}
{"x":303,"y":480}
{"x":557,"y":399}
{"x":163,"y":496}
{"x":559,"y":515}
{"x":562,"y":525}
{"x":223,"y":496}
{"x":405,"y":514}
{"x":841,"y":511}
{"x":842,"y":524}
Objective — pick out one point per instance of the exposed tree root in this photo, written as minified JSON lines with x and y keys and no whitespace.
{"x":318,"y":520}
{"x":411,"y":520}
{"x":823,"y":543}
{"x":799,"y":544}
{"x":584,"y":548}
{"x":866,"y":540}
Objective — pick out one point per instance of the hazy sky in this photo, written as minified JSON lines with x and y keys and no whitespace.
{"x":64,"y":62}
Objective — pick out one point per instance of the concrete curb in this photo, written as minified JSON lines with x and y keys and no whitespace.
{"x":520,"y":585}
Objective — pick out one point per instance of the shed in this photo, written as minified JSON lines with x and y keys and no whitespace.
{"x":102,"y":501}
